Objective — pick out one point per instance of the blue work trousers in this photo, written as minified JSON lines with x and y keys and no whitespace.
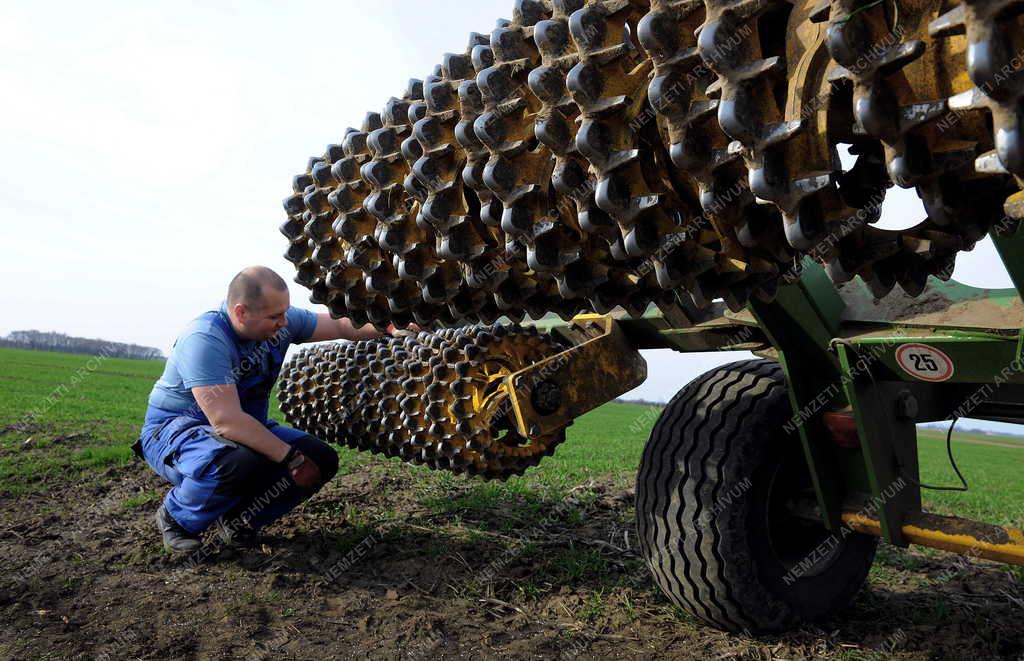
{"x":214,"y":477}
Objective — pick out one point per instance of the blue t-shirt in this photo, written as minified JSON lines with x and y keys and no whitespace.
{"x":203,"y":355}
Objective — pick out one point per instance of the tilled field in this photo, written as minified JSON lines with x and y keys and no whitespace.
{"x":387,"y":564}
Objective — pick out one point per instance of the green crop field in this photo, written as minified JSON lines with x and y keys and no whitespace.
{"x":63,"y":416}
{"x":996,"y":492}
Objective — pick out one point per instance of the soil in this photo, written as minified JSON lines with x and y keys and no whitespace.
{"x":365,"y":569}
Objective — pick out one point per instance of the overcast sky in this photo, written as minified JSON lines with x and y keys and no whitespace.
{"x":146,"y":150}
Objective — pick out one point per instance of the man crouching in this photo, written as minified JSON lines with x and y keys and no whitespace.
{"x":207,"y":430}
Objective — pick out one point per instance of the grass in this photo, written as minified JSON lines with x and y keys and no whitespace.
{"x":996,"y":493}
{"x":141,"y":500}
{"x":577,"y":564}
{"x":593,"y":608}
{"x":66,"y":415}
{"x":88,"y":412}
{"x":67,"y":389}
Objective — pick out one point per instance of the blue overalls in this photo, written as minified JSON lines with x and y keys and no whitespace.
{"x":213,"y":476}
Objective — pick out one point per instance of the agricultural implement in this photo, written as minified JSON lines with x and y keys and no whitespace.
{"x":636,"y":174}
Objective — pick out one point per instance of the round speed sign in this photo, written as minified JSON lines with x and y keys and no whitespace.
{"x":924,"y":362}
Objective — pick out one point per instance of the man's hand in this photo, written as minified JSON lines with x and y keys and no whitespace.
{"x":411,"y":329}
{"x":304,"y":471}
{"x":342,"y":329}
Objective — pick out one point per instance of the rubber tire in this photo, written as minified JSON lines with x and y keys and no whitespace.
{"x":701,"y":507}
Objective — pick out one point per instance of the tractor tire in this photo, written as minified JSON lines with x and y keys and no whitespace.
{"x":711,"y":508}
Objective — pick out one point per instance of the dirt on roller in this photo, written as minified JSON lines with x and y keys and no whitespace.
{"x":386,"y":564}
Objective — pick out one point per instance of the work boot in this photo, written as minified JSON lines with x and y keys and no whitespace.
{"x":236,"y":534}
{"x":176,"y":538}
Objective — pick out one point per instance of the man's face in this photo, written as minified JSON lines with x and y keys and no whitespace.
{"x":264,"y":322}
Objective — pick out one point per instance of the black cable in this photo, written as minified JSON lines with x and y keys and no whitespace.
{"x":952,"y":461}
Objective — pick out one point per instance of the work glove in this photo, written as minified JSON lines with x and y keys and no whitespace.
{"x":303,"y":471}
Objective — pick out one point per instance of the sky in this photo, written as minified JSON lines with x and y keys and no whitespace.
{"x":145,"y":149}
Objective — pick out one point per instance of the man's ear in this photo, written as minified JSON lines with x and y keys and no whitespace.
{"x":240,"y":312}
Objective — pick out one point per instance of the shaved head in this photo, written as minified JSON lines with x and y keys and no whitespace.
{"x":249,"y":286}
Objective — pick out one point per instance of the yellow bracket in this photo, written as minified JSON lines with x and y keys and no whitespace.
{"x":577,"y":380}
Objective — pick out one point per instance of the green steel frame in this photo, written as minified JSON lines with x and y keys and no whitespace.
{"x":841,"y":350}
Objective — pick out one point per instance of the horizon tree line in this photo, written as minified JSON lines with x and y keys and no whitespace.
{"x":52,"y":341}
